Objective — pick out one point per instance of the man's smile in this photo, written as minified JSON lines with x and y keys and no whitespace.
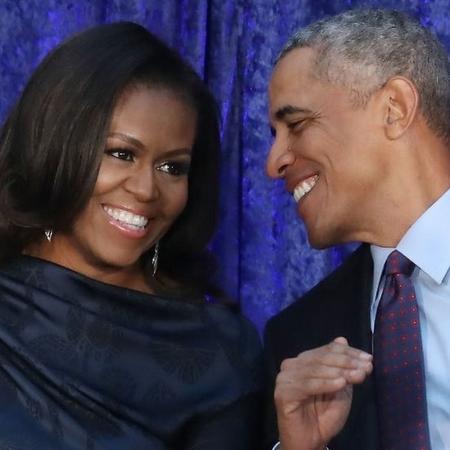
{"x":305,"y":186}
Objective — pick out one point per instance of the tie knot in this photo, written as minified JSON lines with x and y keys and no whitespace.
{"x":398,"y":263}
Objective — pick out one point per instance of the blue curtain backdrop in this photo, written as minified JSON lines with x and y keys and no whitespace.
{"x":262,"y":248}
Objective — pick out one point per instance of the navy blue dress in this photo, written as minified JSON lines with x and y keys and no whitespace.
{"x":87,"y":365}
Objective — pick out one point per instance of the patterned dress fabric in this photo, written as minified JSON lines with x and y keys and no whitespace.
{"x":87,"y":365}
{"x":398,"y":361}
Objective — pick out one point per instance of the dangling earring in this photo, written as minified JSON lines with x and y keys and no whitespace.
{"x":155,"y":258}
{"x":48,"y":234}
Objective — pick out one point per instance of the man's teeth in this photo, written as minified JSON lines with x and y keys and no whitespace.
{"x":126,"y":217}
{"x":304,"y":187}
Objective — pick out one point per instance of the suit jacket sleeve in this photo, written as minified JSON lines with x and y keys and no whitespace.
{"x":338,"y":306}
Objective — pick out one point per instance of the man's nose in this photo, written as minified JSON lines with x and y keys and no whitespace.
{"x":280,"y":157}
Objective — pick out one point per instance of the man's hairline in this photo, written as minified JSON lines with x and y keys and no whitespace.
{"x":323,"y":78}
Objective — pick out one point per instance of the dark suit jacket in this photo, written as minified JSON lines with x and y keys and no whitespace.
{"x":338,"y":306}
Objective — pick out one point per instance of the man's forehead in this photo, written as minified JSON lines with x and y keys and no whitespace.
{"x":291,"y":76}
{"x":292,"y":72}
{"x":296,"y":63}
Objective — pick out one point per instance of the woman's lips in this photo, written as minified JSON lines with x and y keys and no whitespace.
{"x":128,"y":223}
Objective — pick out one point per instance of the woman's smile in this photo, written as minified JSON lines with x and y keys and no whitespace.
{"x":126,"y":222}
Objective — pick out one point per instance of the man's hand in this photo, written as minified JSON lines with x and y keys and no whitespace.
{"x":313,"y":393}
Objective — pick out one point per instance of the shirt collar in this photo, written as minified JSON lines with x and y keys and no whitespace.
{"x":379,"y":256}
{"x":426,"y":243}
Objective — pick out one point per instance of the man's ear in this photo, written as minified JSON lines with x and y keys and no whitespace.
{"x":400,"y":105}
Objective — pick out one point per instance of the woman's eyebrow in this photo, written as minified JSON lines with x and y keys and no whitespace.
{"x":127,"y":138}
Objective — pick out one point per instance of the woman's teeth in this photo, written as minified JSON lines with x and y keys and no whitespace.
{"x":127,"y":218}
{"x":304,"y":187}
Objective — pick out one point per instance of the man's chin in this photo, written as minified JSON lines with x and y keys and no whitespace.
{"x":321,"y":239}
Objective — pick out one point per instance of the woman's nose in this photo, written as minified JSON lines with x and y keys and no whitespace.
{"x":142,"y":184}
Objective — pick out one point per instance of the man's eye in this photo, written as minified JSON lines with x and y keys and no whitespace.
{"x":174,"y":168}
{"x":296,"y":126}
{"x":123,"y":154}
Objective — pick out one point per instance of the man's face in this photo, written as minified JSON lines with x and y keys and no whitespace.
{"x":331,"y":154}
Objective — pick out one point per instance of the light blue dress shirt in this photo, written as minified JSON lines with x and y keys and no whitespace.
{"x":427,"y":245}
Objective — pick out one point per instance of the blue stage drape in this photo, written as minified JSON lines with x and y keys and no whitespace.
{"x":262,"y":248}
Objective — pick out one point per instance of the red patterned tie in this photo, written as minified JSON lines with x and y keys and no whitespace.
{"x":398,"y":361}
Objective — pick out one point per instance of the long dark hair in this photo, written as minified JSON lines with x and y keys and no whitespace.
{"x":52,"y":143}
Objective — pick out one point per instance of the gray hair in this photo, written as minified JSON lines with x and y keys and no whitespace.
{"x":362,"y":49}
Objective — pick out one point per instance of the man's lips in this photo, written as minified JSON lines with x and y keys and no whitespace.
{"x":300,"y":189}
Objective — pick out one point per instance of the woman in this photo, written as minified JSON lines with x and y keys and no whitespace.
{"x":108,"y":199}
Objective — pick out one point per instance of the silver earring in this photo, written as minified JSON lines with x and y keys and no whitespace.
{"x":49,"y":234}
{"x":155,"y":258}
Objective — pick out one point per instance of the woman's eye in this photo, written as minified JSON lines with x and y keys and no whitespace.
{"x":174,"y":168}
{"x":123,"y":154}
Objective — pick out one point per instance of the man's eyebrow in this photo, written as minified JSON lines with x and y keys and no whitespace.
{"x":281,"y":113}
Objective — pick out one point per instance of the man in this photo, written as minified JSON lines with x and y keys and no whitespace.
{"x":360,"y":109}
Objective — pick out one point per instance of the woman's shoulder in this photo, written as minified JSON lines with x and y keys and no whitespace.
{"x":237,"y":337}
{"x":230,"y":324}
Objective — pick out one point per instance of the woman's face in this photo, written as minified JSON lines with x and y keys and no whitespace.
{"x":141,"y":189}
